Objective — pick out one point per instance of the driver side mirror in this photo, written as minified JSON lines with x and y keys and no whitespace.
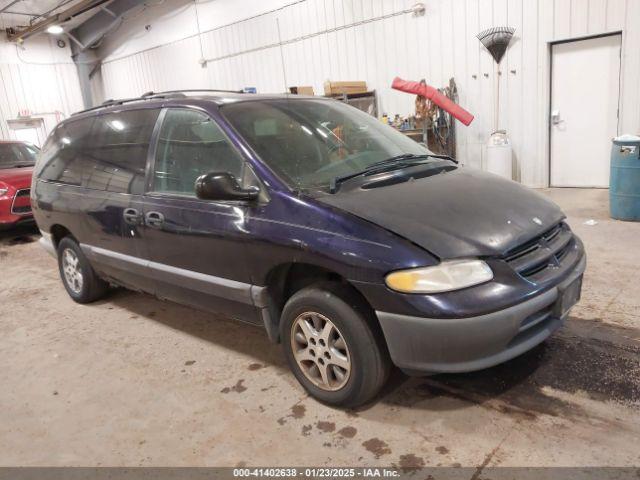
{"x":223,"y":186}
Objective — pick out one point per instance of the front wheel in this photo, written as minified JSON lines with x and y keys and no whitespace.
{"x":332,"y":347}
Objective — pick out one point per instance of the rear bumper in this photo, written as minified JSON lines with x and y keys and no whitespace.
{"x":428,"y":345}
{"x":46,"y":242}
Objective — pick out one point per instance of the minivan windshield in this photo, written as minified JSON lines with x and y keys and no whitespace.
{"x":311,"y":142}
{"x":15,"y":155}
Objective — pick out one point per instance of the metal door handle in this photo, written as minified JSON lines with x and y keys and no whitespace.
{"x":131,"y":216}
{"x":555,"y":117}
{"x":154,"y":219}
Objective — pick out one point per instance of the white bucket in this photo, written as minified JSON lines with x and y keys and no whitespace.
{"x":500,"y":155}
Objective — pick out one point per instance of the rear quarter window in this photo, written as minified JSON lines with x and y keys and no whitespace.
{"x":60,"y":159}
{"x":116,"y":153}
{"x":106,"y":152}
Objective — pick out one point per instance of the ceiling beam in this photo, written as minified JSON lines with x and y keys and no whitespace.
{"x":88,"y":34}
{"x":67,"y":14}
{"x":104,"y":21}
{"x":7,"y":7}
{"x":11,"y":12}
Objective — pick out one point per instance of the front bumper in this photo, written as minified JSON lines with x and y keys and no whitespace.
{"x":8,"y":219}
{"x":420,"y":345}
{"x":8,"y":224}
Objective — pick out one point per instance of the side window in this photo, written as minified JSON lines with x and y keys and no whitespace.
{"x":116,"y":152}
{"x":191,"y":144}
{"x":60,"y":159}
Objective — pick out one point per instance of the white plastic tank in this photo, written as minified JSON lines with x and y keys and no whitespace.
{"x":500,"y":155}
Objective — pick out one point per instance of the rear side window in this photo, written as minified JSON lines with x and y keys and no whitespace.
{"x":60,"y":159}
{"x":191,"y":144}
{"x":116,"y":153}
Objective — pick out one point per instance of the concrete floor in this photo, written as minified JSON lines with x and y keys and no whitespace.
{"x":135,"y":381}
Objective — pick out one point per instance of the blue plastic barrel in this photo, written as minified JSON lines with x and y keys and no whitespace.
{"x":624,"y":187}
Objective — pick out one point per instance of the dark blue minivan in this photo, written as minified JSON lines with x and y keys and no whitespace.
{"x":354,"y":246}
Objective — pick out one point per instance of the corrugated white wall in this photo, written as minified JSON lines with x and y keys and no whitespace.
{"x":38,"y":77}
{"x":363,"y":40}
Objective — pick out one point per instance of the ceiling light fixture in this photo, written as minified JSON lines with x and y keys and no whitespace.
{"x":55,"y":29}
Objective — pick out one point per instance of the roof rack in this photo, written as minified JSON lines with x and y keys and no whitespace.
{"x":147,"y":96}
{"x":153,"y":96}
{"x":194,"y":90}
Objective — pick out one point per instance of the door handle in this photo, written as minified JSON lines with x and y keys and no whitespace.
{"x":555,"y":117}
{"x":131,"y":216}
{"x":154,"y":219}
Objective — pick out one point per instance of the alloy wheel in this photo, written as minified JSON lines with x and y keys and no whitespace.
{"x":72,"y":271}
{"x":320,"y":350}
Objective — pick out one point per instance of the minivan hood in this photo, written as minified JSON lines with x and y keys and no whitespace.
{"x":460,"y":213}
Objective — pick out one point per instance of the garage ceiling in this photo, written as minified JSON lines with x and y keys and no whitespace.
{"x":19,"y":14}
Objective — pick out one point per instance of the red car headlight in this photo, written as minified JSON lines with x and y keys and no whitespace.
{"x":4,"y":188}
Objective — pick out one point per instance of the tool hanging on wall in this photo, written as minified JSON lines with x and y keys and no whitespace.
{"x":435,"y":113}
{"x":434,"y":95}
{"x":496,"y":40}
{"x":442,"y":123}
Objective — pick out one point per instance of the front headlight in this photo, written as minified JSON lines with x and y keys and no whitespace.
{"x":4,"y":188}
{"x":447,"y":276}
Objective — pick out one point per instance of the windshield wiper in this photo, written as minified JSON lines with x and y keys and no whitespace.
{"x":396,"y":158}
{"x":444,"y":157}
{"x":404,"y":160}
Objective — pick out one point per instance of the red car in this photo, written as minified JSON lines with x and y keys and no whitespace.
{"x":16,"y":168}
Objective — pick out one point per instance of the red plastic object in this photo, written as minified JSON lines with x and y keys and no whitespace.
{"x":435,"y":96}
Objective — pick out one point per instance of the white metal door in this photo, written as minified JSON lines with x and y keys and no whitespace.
{"x":585,"y":89}
{"x":28,"y":135}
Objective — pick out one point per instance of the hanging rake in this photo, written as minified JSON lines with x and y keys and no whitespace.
{"x":496,"y":40}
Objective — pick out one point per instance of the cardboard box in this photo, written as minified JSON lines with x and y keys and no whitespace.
{"x":336,"y":88}
{"x":302,"y":90}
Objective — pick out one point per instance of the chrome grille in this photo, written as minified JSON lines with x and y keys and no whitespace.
{"x":546,"y":251}
{"x":21,"y":202}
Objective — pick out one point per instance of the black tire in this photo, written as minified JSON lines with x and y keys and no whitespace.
{"x":91,"y":287}
{"x":367,"y":353}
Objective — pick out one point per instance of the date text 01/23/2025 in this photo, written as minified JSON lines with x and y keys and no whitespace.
{"x":316,"y":472}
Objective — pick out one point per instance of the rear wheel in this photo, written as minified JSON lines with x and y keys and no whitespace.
{"x":78,"y":277}
{"x":331,"y":347}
